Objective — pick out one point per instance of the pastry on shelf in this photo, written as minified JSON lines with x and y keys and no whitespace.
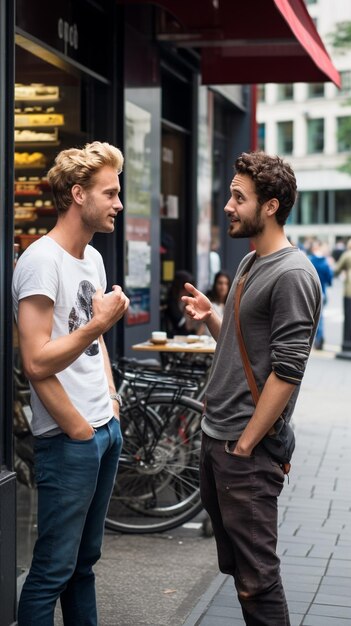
{"x":44,"y":184}
{"x":26,"y":239}
{"x":32,"y":183}
{"x":35,"y":109}
{"x":45,"y":207}
{"x":36,"y":91}
{"x":26,"y":135}
{"x":31,"y":187}
{"x":23,"y":120}
{"x":30,"y":159}
{"x":25,"y":214}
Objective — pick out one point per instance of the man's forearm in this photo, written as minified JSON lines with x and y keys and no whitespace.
{"x":214,"y":324}
{"x":273,"y":400}
{"x":61,"y":409}
{"x":107,"y":366}
{"x":109,"y":375}
{"x":57,"y":354}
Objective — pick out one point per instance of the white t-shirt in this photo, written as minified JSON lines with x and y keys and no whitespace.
{"x":45,"y":268}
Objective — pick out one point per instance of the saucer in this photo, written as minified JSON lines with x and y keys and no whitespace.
{"x":191,"y":338}
{"x":159,"y":342}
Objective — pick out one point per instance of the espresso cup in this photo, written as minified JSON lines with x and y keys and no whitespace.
{"x":159,"y":335}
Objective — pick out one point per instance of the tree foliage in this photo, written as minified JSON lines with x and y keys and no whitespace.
{"x":340,"y":39}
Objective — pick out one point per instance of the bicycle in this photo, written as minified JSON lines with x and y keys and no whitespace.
{"x":157,"y":484}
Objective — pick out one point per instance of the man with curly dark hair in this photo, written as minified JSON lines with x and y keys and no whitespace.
{"x":279,"y":311}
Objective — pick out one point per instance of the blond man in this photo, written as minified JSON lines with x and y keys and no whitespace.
{"x":62,"y":314}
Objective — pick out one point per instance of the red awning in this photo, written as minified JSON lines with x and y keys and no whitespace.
{"x":254,"y":41}
{"x":301,"y":24}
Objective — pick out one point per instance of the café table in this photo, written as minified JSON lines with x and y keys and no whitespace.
{"x":200,"y":346}
{"x":180,"y":350}
{"x":184,"y":357}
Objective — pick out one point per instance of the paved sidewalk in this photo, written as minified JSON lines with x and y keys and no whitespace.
{"x":314,"y":510}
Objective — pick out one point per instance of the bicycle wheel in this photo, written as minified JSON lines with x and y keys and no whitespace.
{"x":157,"y":484}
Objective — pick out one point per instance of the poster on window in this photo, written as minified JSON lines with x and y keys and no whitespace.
{"x":138,"y":160}
{"x":137,"y":178}
{"x":138,"y":274}
{"x":204,"y":189}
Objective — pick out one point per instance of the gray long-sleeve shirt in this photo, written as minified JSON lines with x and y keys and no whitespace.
{"x":279,"y":313}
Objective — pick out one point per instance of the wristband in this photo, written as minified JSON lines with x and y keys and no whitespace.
{"x":116,"y":396}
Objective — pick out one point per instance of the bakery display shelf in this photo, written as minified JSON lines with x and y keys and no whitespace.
{"x":39,"y":100}
{"x":25,"y":240}
{"x":34,"y":193}
{"x":45,"y":211}
{"x":36,"y":92}
{"x":32,"y":187}
{"x":37,"y":127}
{"x":37,"y":144}
{"x":39,"y":120}
{"x":33,"y":166}
{"x":25,"y":219}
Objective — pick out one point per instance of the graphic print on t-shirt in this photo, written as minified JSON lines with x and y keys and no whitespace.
{"x":82,"y":313}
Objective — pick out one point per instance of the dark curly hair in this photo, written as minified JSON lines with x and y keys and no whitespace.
{"x":273,"y":178}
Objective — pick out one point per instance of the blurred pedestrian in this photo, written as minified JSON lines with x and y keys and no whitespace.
{"x":219,"y":292}
{"x":344,"y":266}
{"x":325,"y":274}
{"x":215,"y":259}
{"x":338,"y":249}
{"x":62,"y":314}
{"x":175,"y":320}
{"x":240,"y":481}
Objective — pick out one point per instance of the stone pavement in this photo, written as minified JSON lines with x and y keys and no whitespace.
{"x":314,"y":510}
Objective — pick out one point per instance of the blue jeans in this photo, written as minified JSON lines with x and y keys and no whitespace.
{"x":320,"y":328}
{"x":75,"y":480}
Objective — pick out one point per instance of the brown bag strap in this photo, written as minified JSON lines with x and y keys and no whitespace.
{"x":244,"y":356}
{"x":245,"y":359}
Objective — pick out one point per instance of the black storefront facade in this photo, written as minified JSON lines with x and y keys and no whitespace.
{"x":153,"y":79}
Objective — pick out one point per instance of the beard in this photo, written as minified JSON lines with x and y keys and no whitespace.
{"x":249,"y":227}
{"x":93,"y":220}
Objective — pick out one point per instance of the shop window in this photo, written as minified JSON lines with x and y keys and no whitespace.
{"x":345,"y":89}
{"x":309,"y":213}
{"x":316,"y":90}
{"x":315,"y":136}
{"x":344,"y":133}
{"x":137,"y":195}
{"x":285,"y":137}
{"x":261,"y":136}
{"x":48,"y":118}
{"x":285,"y":91}
{"x":50,"y":115}
{"x":171,"y":111}
{"x":261,"y":93}
{"x":174,"y":225}
{"x":293,"y":215}
{"x":325,"y":219}
{"x":343,"y":206}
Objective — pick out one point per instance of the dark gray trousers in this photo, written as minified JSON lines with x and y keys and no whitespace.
{"x":240,"y":495}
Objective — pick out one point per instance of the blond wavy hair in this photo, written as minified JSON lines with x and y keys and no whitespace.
{"x":78,"y":167}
